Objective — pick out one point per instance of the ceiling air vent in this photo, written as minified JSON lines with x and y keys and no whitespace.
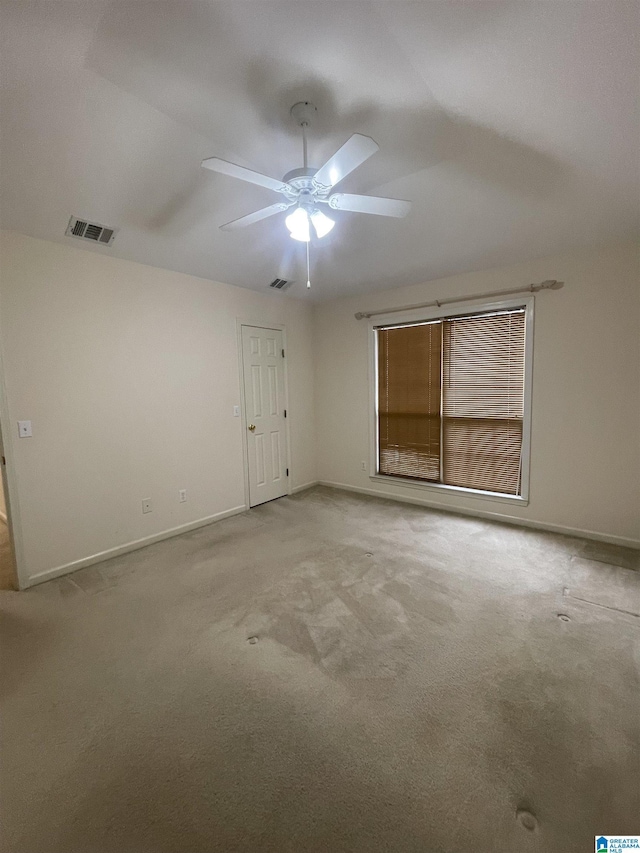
{"x":279,"y":283}
{"x":90,"y":231}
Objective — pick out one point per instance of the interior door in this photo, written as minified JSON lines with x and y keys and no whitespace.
{"x":8,"y":574}
{"x":263,"y":370}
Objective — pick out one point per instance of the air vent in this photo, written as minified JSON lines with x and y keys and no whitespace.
{"x":90,"y":231}
{"x":279,"y":283}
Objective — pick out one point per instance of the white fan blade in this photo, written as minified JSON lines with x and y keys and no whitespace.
{"x":234,"y":171}
{"x":250,"y":218}
{"x":355,"y":151}
{"x":369,"y":204}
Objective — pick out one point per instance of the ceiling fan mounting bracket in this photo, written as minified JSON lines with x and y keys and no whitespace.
{"x":304,"y":113}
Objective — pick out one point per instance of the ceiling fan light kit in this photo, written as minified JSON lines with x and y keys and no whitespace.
{"x":298,"y":223}
{"x":322,"y":224}
{"x":306,"y":189}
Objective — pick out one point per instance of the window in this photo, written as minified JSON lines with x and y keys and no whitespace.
{"x":451,"y":401}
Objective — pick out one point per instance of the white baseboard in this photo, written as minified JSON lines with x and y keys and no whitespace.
{"x":119,"y":550}
{"x":495,"y":516}
{"x":304,"y":486}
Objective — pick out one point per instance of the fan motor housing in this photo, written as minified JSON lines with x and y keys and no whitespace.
{"x":301,"y":179}
{"x":301,"y":183}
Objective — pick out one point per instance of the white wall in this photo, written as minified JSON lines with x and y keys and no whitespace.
{"x":129,"y":374}
{"x":585,"y":453}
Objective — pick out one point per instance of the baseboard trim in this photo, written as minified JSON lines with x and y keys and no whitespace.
{"x":119,"y":550}
{"x":304,"y":487}
{"x":495,"y":516}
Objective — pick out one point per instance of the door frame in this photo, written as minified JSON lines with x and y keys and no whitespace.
{"x":11,"y":489}
{"x":276,"y":327}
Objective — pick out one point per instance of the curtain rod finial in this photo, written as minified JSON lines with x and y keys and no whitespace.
{"x":550,"y":284}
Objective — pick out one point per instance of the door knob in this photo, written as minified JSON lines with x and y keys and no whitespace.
{"x":252,"y":427}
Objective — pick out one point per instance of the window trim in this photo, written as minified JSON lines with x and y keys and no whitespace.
{"x":428,"y":314}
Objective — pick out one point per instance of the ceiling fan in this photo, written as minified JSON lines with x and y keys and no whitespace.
{"x":308,"y":189}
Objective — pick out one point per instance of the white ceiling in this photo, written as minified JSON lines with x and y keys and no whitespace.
{"x":512,"y":126}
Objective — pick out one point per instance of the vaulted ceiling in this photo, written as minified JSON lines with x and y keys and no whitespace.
{"x":513,"y":127}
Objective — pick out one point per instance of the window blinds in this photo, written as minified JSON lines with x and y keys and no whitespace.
{"x":483,"y":401}
{"x":470,"y":371}
{"x":409,"y":394}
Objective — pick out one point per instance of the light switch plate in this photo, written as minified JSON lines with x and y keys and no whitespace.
{"x":24,"y":429}
{"x":236,"y":411}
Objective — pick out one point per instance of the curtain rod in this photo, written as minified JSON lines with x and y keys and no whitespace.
{"x":552,"y":284}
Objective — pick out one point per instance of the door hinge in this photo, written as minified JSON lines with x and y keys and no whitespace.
{"x":287,"y":472}
{"x":283,"y":353}
{"x":285,"y":413}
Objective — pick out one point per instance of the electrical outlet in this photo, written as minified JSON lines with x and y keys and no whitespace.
{"x":363,"y":465}
{"x":146,"y":505}
{"x":182,"y":495}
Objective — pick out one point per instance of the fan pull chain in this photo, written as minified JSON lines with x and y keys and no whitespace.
{"x":304,"y":162}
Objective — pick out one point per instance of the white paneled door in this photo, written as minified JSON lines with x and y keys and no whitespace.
{"x":263,"y":367}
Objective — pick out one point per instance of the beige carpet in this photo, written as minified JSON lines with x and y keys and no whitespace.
{"x":327,"y":673}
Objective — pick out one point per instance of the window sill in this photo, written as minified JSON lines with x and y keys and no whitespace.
{"x":495,"y":497}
